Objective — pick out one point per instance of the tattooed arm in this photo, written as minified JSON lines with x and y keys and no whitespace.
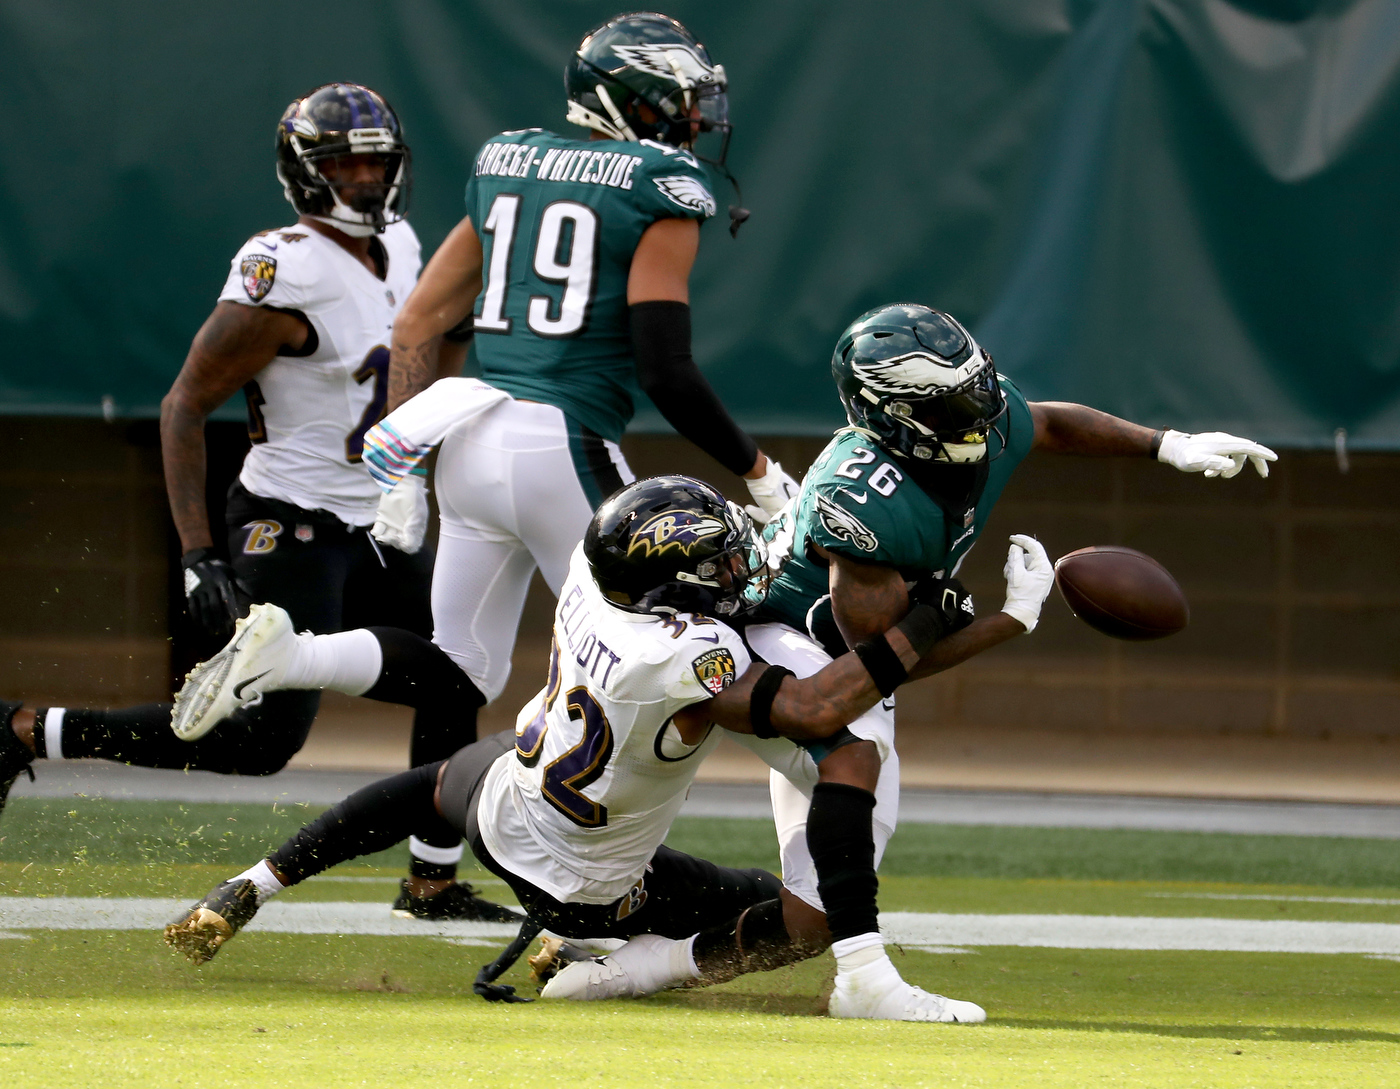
{"x":231,"y":347}
{"x":807,"y":708}
{"x":1064,"y":428}
{"x":446,"y":293}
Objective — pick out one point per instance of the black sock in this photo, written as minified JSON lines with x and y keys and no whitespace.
{"x":842,"y":844}
{"x":419,"y":674}
{"x":374,"y":818}
{"x":432,"y":871}
{"x":757,"y":940}
{"x":254,"y":741}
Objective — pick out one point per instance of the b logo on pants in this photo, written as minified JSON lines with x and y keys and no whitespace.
{"x":262,"y":537}
{"x":636,"y":896}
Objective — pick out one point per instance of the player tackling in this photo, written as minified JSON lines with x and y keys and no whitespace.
{"x":643,"y":667}
{"x":885,"y":516}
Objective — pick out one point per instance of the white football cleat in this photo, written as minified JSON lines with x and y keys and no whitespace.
{"x":253,"y":662}
{"x":876,"y":991}
{"x":646,"y":964}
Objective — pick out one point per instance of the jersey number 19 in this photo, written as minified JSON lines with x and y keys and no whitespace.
{"x":565,"y":252}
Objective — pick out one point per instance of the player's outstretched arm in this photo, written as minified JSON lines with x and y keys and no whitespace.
{"x":658,"y":299}
{"x":1065,"y":428}
{"x":440,"y":303}
{"x":867,"y":598}
{"x":769,"y":702}
{"x":231,"y":347}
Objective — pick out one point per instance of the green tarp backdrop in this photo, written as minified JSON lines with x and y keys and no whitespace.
{"x":1182,"y":211}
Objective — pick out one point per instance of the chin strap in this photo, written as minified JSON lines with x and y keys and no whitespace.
{"x":354,"y":230}
{"x":738,"y":214}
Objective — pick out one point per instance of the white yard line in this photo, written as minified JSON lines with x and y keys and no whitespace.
{"x":332,"y":917}
{"x":935,"y":933}
{"x":1270,"y":896}
{"x":1128,"y":932}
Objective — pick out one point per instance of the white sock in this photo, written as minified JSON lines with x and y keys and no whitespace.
{"x":438,"y":856}
{"x":264,"y":880}
{"x":688,"y":965}
{"x":348,"y":661}
{"x":856,"y":952}
{"x":53,"y":732}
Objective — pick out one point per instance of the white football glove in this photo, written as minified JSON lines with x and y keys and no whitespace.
{"x":771,"y":493}
{"x":1029,"y":576}
{"x":402,"y":518}
{"x":1213,"y":453}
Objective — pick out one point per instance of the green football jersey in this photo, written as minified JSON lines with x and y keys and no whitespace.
{"x":856,"y":501}
{"x":559,"y":221}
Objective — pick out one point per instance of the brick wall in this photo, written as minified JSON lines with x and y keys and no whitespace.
{"x":1294,"y":587}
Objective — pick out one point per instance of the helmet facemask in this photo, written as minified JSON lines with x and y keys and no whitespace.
{"x":670,"y":545}
{"x":953,"y":426}
{"x":326,"y":136}
{"x":917,"y":381}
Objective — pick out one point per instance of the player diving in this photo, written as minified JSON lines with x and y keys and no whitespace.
{"x":571,"y":809}
{"x":885,"y":516}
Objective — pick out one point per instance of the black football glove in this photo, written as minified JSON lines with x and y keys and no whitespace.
{"x":949,"y":597}
{"x":213,"y":597}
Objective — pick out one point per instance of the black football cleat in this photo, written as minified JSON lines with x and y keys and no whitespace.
{"x":214,"y":920}
{"x":15,"y":757}
{"x":457,"y":901}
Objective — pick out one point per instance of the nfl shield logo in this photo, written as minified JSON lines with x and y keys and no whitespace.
{"x":305,"y":533}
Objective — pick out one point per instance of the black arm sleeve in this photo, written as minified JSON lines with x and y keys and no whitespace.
{"x":668,"y":375}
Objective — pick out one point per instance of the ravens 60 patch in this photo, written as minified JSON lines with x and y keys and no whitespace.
{"x":715,"y":669}
{"x":259,"y":270}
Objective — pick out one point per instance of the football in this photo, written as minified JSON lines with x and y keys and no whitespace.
{"x":1122,"y":592}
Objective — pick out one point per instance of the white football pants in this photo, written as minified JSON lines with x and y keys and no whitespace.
{"x":793,"y":773}
{"x":510,"y":500}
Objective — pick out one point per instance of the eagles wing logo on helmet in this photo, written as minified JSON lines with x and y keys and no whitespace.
{"x":688,"y":192}
{"x":668,"y":60}
{"x":259,"y":271}
{"x":843,"y":525}
{"x":909,"y":374}
{"x":681,"y":530}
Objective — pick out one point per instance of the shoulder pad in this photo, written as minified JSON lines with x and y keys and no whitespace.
{"x":280,"y":267}
{"x":675,"y":154}
{"x":835,"y":512}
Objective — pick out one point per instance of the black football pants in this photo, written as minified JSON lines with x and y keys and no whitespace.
{"x":329,"y":577}
{"x":678,"y":895}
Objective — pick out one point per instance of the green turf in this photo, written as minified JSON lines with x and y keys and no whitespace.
{"x":98,"y":831}
{"x":118,"y":1009}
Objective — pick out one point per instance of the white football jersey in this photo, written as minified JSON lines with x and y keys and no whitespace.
{"x":308,"y":413}
{"x":599,"y":772}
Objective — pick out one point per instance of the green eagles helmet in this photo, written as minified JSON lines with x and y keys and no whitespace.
{"x":645,"y":58}
{"x":917,"y":380}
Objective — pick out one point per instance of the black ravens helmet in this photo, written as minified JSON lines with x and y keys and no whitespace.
{"x":917,"y":380}
{"x":647,"y":59}
{"x":333,"y":123}
{"x":671,"y":544}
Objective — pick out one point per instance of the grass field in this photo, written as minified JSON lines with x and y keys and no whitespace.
{"x":116,"y":1008}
